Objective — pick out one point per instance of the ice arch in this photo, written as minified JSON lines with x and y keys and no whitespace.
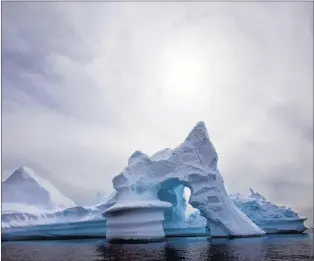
{"x":193,"y":164}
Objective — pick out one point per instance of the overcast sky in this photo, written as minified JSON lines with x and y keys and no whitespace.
{"x":86,"y":84}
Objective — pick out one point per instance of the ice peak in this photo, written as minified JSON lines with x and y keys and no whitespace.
{"x":26,"y":169}
{"x":136,"y":157}
{"x":199,"y":132}
{"x":23,"y":173}
{"x":256,"y":195}
{"x":25,"y":186}
{"x":200,"y":124}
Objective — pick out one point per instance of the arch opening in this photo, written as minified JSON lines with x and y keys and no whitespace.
{"x":181,"y":214}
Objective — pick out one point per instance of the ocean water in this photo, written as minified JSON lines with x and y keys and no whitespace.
{"x":270,"y":247}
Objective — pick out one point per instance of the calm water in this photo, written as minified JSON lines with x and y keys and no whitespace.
{"x":273,"y":247}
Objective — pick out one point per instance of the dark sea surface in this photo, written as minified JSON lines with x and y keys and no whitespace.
{"x":270,"y":247}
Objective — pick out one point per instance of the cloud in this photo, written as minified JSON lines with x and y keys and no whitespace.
{"x":86,"y":84}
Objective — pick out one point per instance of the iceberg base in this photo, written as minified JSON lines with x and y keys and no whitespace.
{"x":287,"y":226}
{"x":140,"y":221}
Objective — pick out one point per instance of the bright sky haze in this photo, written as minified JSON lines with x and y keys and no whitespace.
{"x":86,"y":84}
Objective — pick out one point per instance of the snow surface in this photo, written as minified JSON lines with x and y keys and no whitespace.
{"x":192,"y":164}
{"x":25,"y":187}
{"x":144,"y":204}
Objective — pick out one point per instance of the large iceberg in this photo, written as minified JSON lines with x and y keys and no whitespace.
{"x":148,"y":179}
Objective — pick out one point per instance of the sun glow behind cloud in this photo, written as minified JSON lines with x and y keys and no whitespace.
{"x":182,"y":74}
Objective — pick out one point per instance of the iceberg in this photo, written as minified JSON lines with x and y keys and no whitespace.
{"x":30,"y":199}
{"x":24,"y":189}
{"x":269,"y":216}
{"x":151,"y":179}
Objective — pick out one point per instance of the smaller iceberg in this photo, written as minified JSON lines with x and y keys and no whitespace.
{"x":269,"y":216}
{"x":25,"y":189}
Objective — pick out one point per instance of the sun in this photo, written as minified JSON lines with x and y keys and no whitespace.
{"x":183,"y":69}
